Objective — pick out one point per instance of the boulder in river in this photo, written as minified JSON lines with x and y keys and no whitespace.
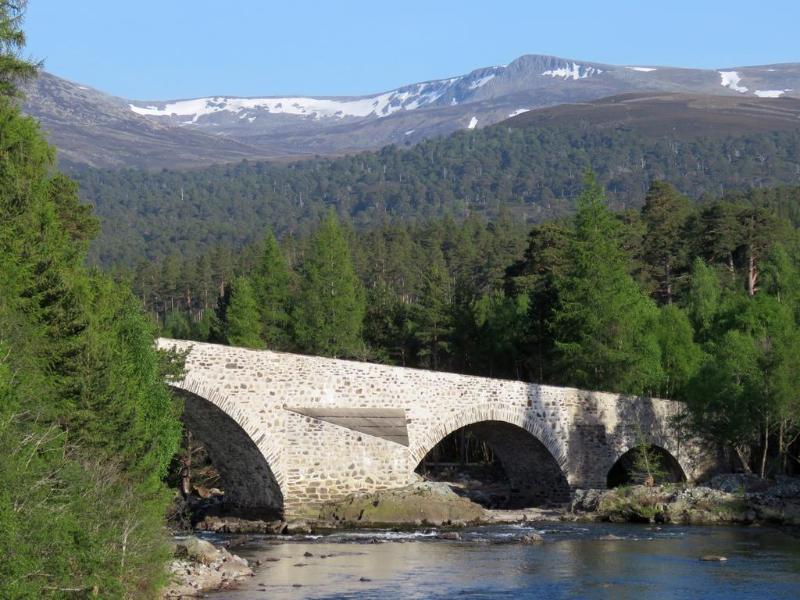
{"x":428,"y":502}
{"x":201,"y":567}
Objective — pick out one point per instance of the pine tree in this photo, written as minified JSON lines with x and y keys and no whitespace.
{"x":433,"y":315}
{"x":603,"y":325}
{"x":271,"y":286}
{"x":13,"y":69}
{"x":545,"y":262}
{"x":242,"y":323}
{"x":665,"y":215}
{"x":329,"y":313}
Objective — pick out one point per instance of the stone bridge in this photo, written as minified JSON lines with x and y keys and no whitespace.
{"x":289,"y":432}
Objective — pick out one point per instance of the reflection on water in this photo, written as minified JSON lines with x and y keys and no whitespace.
{"x":575,"y":561}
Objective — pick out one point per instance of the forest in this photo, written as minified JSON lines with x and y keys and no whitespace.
{"x":492,"y":253}
{"x":691,"y":301}
{"x":533,"y":172}
{"x":88,"y":426}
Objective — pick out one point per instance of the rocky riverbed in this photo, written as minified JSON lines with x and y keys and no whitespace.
{"x":726,"y":499}
{"x":199,"y":566}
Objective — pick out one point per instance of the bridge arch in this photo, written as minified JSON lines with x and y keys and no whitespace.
{"x":252,"y":485}
{"x":533,"y":461}
{"x":621,"y":470}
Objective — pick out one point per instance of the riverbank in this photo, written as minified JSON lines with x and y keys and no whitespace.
{"x":199,"y":567}
{"x":726,"y":499}
{"x":435,"y":509}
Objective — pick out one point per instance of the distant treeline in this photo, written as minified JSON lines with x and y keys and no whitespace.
{"x":534,"y":172}
{"x":694,"y":302}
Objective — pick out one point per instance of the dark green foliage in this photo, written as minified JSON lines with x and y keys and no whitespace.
{"x":603,"y":323}
{"x":329,"y":313}
{"x":272,"y":288}
{"x":242,"y":317}
{"x":532,"y":173}
{"x":87,"y":424}
{"x":665,"y":215}
{"x":570,"y":308}
{"x":432,"y":318}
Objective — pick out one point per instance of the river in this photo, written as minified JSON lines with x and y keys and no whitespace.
{"x":574,"y":561}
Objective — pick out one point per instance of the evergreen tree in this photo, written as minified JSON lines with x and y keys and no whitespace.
{"x":271,"y":285}
{"x":329,"y":313}
{"x":87,"y":424}
{"x":387,"y":327}
{"x":603,"y":325}
{"x":545,"y":262}
{"x":242,"y":322}
{"x":665,"y":215}
{"x":14,"y":70}
{"x":433,"y":316}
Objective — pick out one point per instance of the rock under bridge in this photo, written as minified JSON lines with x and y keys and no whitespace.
{"x":289,"y":432}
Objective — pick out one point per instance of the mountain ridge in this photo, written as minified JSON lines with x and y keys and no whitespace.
{"x":101,"y":130}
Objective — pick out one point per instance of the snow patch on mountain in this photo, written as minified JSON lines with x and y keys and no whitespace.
{"x":574,"y":72}
{"x":642,"y":69}
{"x":473,"y":123}
{"x":380,"y":105}
{"x":519,"y":111}
{"x":770,"y":93}
{"x":481,"y":81}
{"x":731,"y":79}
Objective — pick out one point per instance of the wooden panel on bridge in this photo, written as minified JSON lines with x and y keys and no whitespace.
{"x":386,"y":423}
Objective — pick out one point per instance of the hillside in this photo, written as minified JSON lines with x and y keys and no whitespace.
{"x":97,"y":129}
{"x":533,"y":165}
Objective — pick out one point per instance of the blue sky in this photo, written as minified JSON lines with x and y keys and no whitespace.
{"x":163,"y":49}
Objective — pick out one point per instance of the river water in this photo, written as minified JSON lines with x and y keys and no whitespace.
{"x":574,"y":561}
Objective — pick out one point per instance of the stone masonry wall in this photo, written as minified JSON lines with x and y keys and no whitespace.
{"x":313,"y":461}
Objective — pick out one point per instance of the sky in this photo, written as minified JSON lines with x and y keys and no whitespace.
{"x":170,"y":49}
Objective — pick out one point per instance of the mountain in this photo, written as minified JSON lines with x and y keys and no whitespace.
{"x":530,"y":166}
{"x":90,"y":127}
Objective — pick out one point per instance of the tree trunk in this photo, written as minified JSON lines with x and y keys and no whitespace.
{"x":766,"y":448}
{"x":781,"y":447}
{"x":752,"y":275}
{"x":667,"y":282}
{"x":186,"y":468}
{"x":743,"y":460}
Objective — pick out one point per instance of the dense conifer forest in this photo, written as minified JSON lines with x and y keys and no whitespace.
{"x":534,"y":172}
{"x":698,"y":302}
